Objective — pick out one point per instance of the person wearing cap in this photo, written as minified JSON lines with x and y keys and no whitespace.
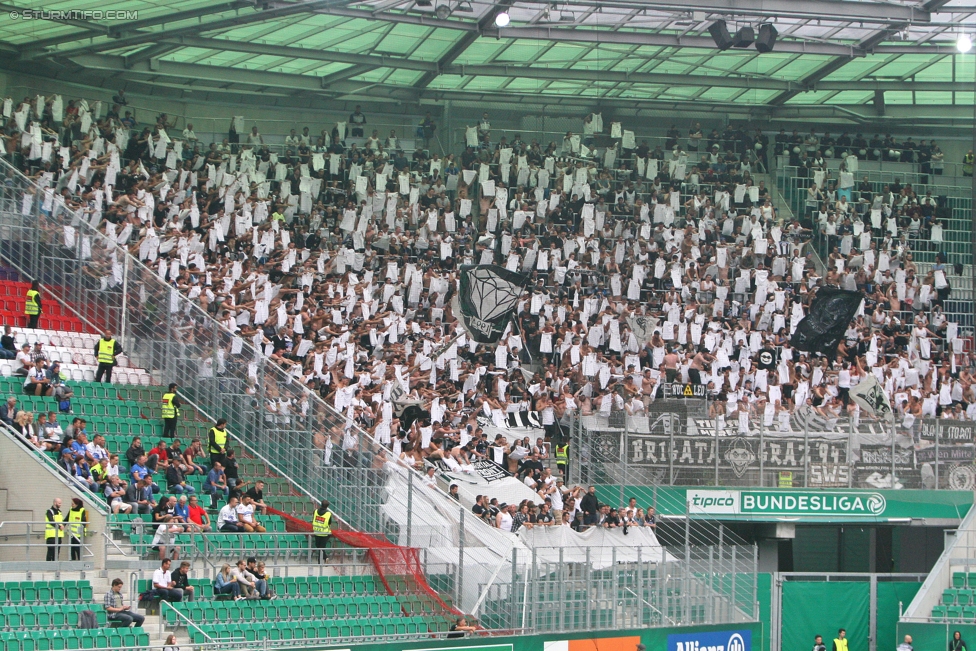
{"x":23,"y":361}
{"x":260,"y":584}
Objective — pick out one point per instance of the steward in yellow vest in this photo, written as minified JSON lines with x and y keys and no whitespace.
{"x":53,"y":529}
{"x":218,"y":441}
{"x":170,"y":411}
{"x":106,"y":350}
{"x":840,"y":642}
{"x":322,"y":528}
{"x":32,"y":306}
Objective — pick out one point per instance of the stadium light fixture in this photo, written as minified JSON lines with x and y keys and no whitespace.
{"x":442,"y":11}
{"x":502,"y":19}
{"x":964,"y":43}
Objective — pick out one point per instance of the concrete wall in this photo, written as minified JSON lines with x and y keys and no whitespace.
{"x":28,"y":486}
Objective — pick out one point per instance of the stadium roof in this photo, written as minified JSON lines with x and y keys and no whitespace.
{"x":573,"y":52}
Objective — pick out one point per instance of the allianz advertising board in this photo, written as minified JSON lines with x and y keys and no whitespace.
{"x":786,"y":503}
{"x":711,"y":641}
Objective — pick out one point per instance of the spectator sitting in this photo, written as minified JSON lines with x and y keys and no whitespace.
{"x":8,"y":349}
{"x":227,"y":517}
{"x":37,"y":382}
{"x":23,"y":362}
{"x":117,"y":610}
{"x":246,"y":581}
{"x":62,"y":392}
{"x":8,"y":411}
{"x":168,"y":524}
{"x":115,"y":493}
{"x":51,"y":433}
{"x":163,"y":586}
{"x":256,"y":493}
{"x":182,"y":580}
{"x":199,"y":518}
{"x":216,"y":483}
{"x":245,"y":516}
{"x":26,"y":430}
{"x":161,"y":452}
{"x":176,"y":482}
{"x":139,"y":496}
{"x":195,"y":450}
{"x":226,"y":583}
{"x":259,"y":577}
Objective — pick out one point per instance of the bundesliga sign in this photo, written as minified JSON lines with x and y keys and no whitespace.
{"x":785,"y":503}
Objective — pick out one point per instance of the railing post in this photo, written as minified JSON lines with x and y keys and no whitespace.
{"x":409,"y":508}
{"x":762,"y":451}
{"x":459,"y":581}
{"x":123,"y":318}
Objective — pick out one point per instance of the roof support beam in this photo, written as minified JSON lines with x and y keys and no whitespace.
{"x":621,"y":37}
{"x":831,"y":67}
{"x":865,"y":12}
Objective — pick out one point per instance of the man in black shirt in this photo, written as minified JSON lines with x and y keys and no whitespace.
{"x":590,"y":506}
{"x":256,"y":493}
{"x":8,"y":347}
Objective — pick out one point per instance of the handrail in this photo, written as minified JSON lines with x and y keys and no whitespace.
{"x":85,"y":537}
{"x":91,"y":499}
{"x":181,"y":616}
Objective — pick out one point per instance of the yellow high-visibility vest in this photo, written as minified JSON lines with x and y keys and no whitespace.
{"x":31,"y":307}
{"x":106,"y":351}
{"x":322,"y":523}
{"x":220,"y":440}
{"x":840,"y":644}
{"x":77,"y":516}
{"x":169,"y":410}
{"x":51,"y":528}
{"x":562,"y":454}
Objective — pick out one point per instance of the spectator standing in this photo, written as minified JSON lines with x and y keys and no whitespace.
{"x":53,"y":530}
{"x":357,"y":121}
{"x":818,"y":644}
{"x":163,"y":586}
{"x":106,"y":350}
{"x":906,"y":645}
{"x":32,"y":305}
{"x":170,"y":412}
{"x":956,"y":643}
{"x":116,"y":608}
{"x":170,"y":644}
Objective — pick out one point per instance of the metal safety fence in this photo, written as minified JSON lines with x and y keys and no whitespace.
{"x":689,"y":442}
{"x":86,"y":263}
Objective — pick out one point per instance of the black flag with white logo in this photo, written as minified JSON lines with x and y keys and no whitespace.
{"x":486,"y":299}
{"x":830,"y":314}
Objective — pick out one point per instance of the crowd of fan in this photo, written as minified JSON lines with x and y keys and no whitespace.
{"x":338,"y":262}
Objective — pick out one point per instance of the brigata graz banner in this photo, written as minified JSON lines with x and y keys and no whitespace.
{"x":786,"y":503}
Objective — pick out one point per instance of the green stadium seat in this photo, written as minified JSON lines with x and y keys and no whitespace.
{"x":949,"y":596}
{"x":954,"y":612}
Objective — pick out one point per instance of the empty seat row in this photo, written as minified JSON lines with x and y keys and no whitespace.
{"x":283,"y":610}
{"x":964,"y":579}
{"x":388,"y":628}
{"x":47,"y":615}
{"x":958,"y":597}
{"x":72,"y":638}
{"x":44,"y":592}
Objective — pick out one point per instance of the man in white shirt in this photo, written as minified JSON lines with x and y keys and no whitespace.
{"x":245,"y":516}
{"x":188,"y":133}
{"x":227,"y":518}
{"x":163,"y":586}
{"x":246,"y":580}
{"x":429,"y":479}
{"x":37,"y":382}
{"x":23,"y":363}
{"x":254,"y":138}
{"x":96,"y":449}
